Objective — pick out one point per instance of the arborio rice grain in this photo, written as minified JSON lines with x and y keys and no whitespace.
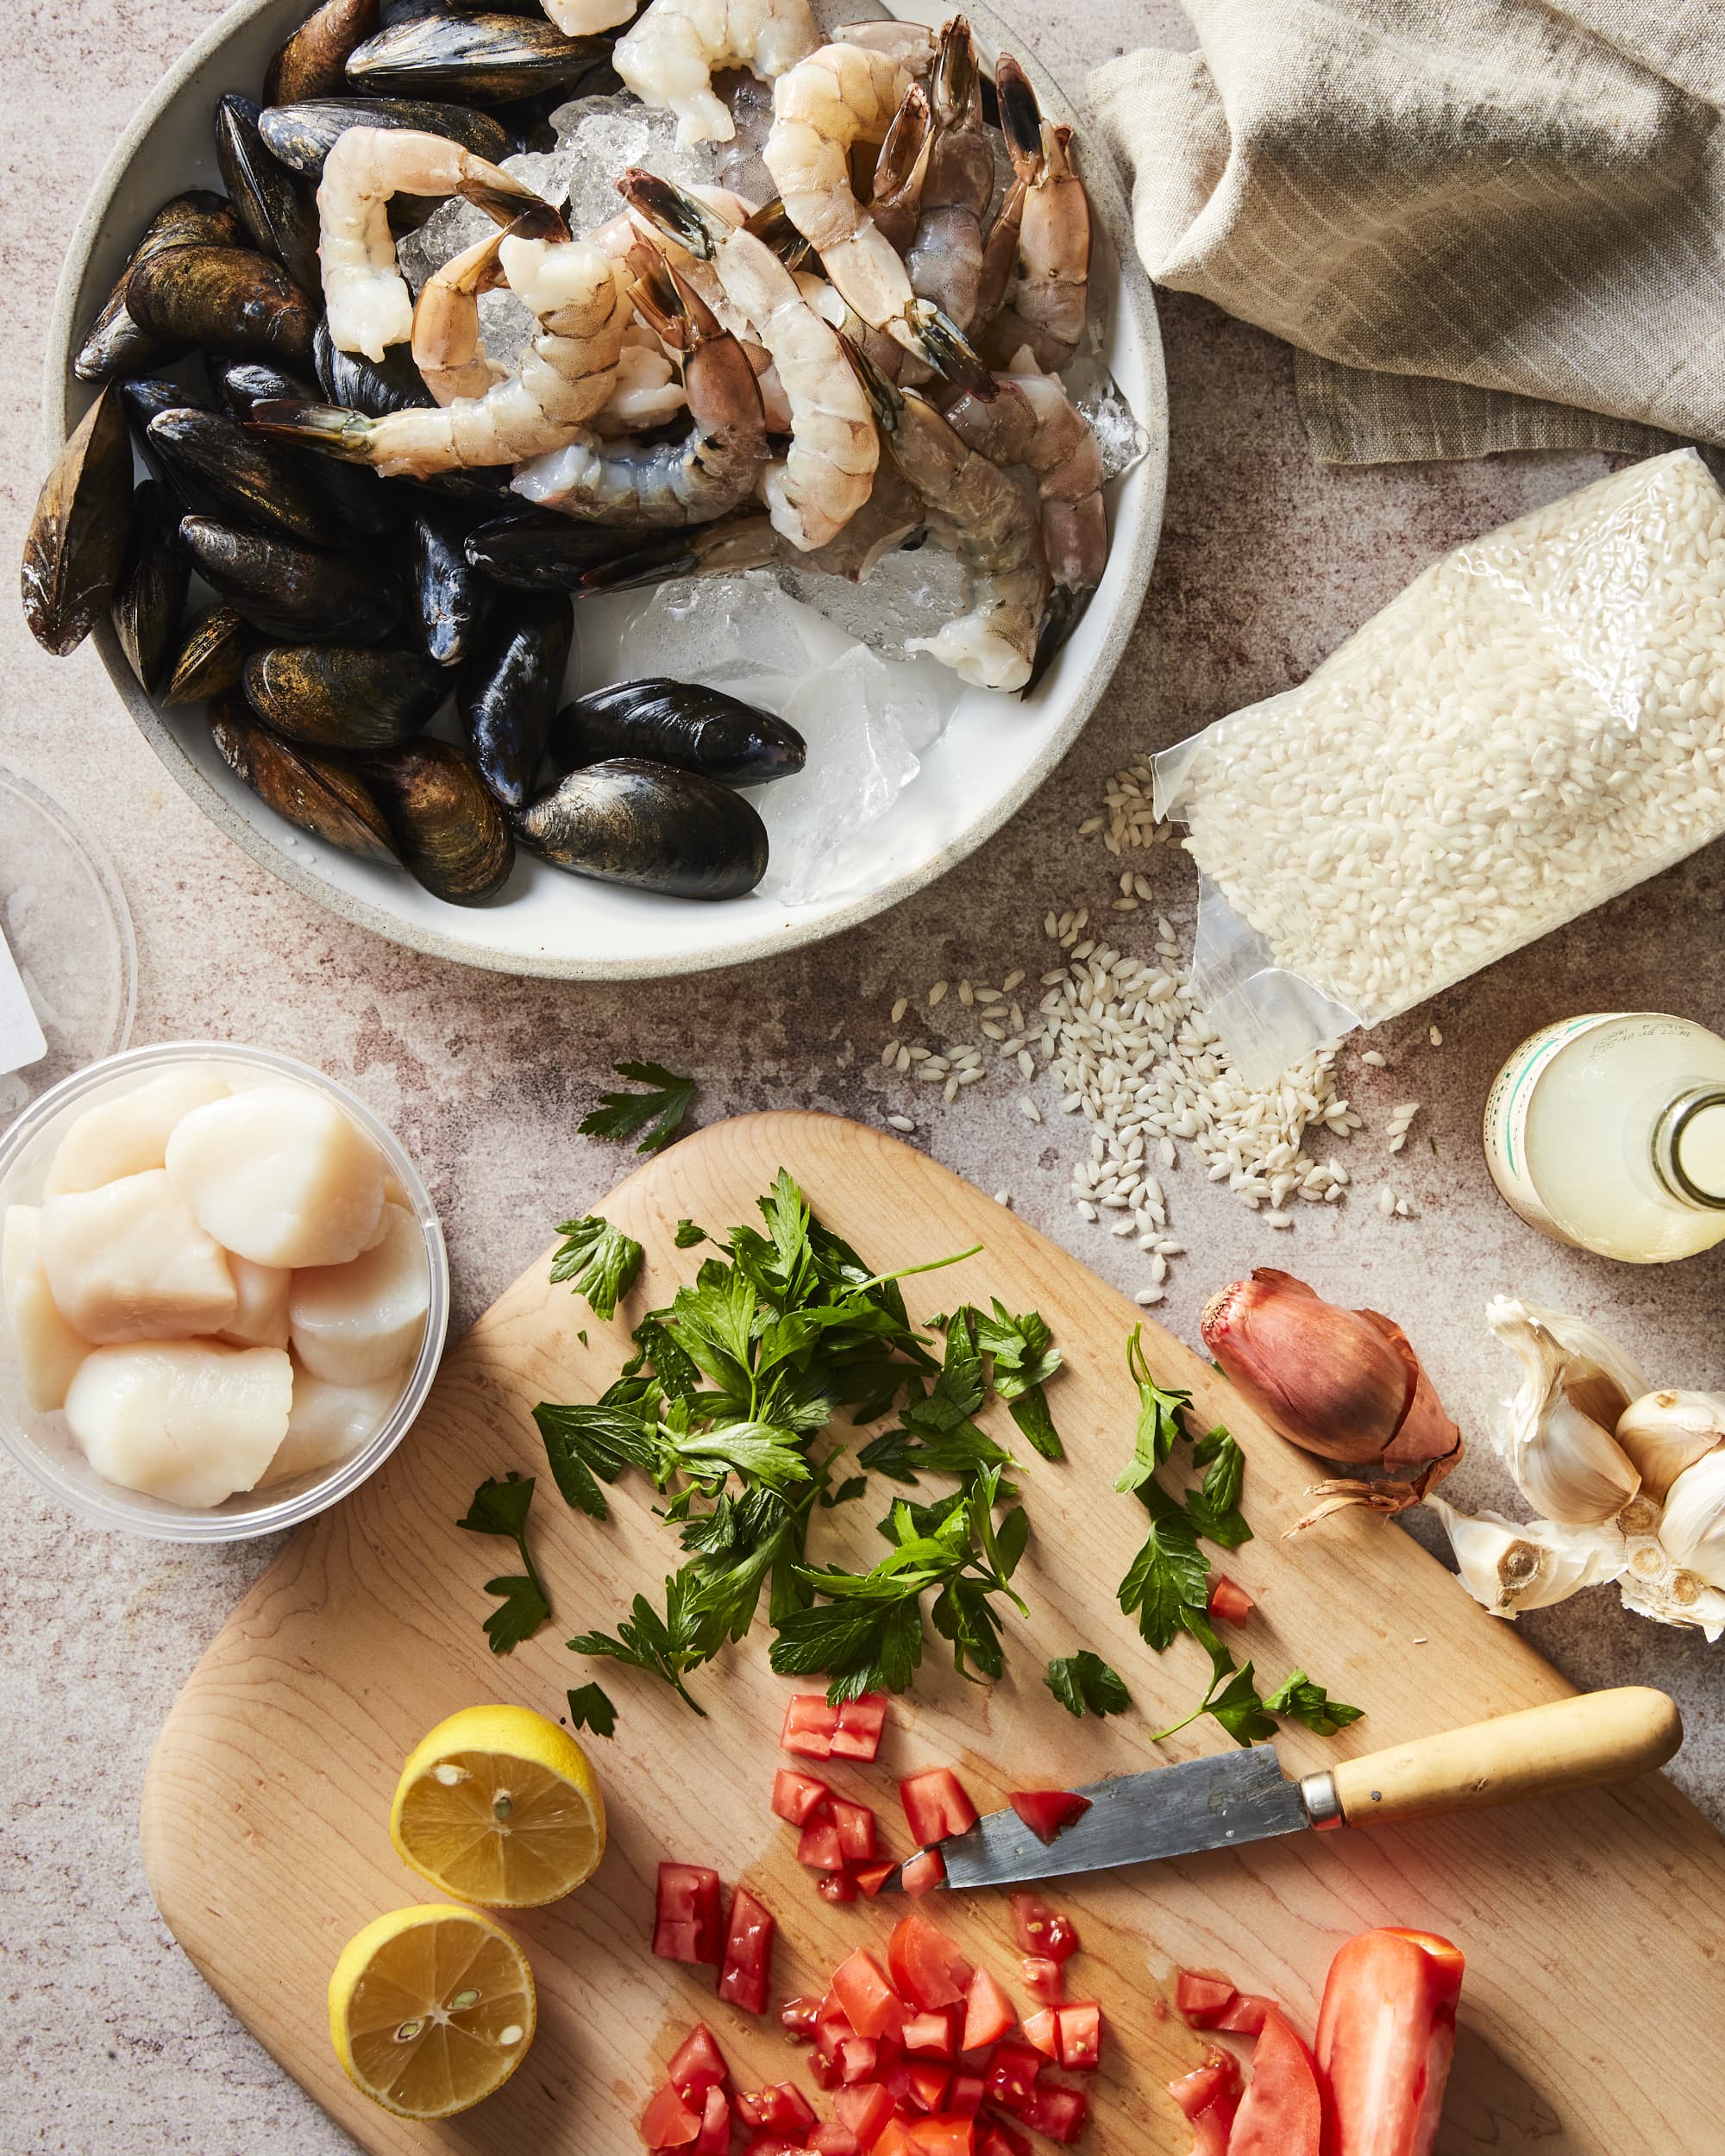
{"x":1536,"y":724}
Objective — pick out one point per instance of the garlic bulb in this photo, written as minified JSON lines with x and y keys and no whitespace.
{"x":1575,"y":1385}
{"x":1692,"y":1525}
{"x":1664,"y":1432}
{"x":1509,"y":1567}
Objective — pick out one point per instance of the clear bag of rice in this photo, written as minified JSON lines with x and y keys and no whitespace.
{"x":1535,"y":725}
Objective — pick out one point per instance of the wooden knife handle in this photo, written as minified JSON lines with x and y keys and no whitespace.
{"x":1570,"y":1744}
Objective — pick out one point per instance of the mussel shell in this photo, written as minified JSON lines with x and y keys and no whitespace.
{"x":212,"y":656}
{"x":448,"y":592}
{"x":272,"y":202}
{"x":509,"y":687}
{"x":330,"y":800}
{"x":150,"y":597}
{"x":214,"y":459}
{"x":537,"y":552}
{"x":335,"y":696}
{"x":76,"y":540}
{"x":394,"y":11}
{"x":302,"y":135}
{"x":290,"y":592}
{"x":312,"y":62}
{"x":145,"y":397}
{"x":679,"y":723}
{"x":116,"y":345}
{"x":446,"y":823}
{"x":643,"y":825}
{"x":239,"y":384}
{"x":372,"y":386}
{"x":223,"y":299}
{"x":487,"y":59}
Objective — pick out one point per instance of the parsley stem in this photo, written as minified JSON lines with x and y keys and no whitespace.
{"x":1202,"y":1707}
{"x":934,"y":1265}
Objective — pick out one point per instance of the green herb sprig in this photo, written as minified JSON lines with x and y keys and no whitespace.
{"x":501,"y":1509}
{"x":659,"y":1111}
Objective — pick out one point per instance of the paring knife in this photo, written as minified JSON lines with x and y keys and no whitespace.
{"x":1225,"y":1801}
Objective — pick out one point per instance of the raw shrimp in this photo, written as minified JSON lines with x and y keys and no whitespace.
{"x":902,"y":169}
{"x":369,"y":305}
{"x":647,"y":392}
{"x":835,"y":449}
{"x":908,"y":43}
{"x":983,"y":515}
{"x":1047,"y":312}
{"x":585,"y":18}
{"x":706,"y":474}
{"x":582,"y":300}
{"x":669,"y":57}
{"x":840,"y":96}
{"x":448,"y":347}
{"x":944,"y":256}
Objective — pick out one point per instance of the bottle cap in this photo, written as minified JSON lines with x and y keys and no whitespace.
{"x":1698,"y":1150}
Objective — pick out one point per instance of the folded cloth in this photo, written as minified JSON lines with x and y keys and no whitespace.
{"x":1483,"y":224}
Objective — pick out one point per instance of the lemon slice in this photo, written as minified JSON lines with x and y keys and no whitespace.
{"x":430,"y":2009}
{"x":499,"y":1805}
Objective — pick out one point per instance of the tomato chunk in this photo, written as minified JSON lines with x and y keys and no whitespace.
{"x":686,"y":1923}
{"x":934,"y":2033}
{"x":857,"y":1735}
{"x":928,"y":2083}
{"x":855,"y":1825}
{"x":697,"y":2065}
{"x":865,"y":2111}
{"x":1280,"y":2114}
{"x":714,"y":2138}
{"x":826,"y":2070}
{"x":1041,"y":1931}
{"x":989,"y":2013}
{"x":667,"y":2121}
{"x":798,"y":1797}
{"x":773,"y":2145}
{"x":995,"y":2138}
{"x":869,"y":2002}
{"x":1229,"y":1604}
{"x":1011,"y":2077}
{"x":964,"y":2097}
{"x":1202,"y":2001}
{"x":948,"y":2134}
{"x":819,"y":1846}
{"x":922,"y":1873}
{"x":928,"y":1969}
{"x":1042,"y":2031}
{"x":1043,"y":1979}
{"x":895,"y":2138}
{"x":1245,"y":2014}
{"x":748,"y":1959}
{"x":782,"y":2109}
{"x":1080,"y":2037}
{"x":1060,"y":2114}
{"x":810,"y":1725}
{"x":830,"y":2139}
{"x":837,"y":1886}
{"x":859,"y":2059}
{"x":1386,"y":2036}
{"x":871,"y":1877}
{"x":1048,"y":1813}
{"x":1208,"y":2096}
{"x":935,"y":1805}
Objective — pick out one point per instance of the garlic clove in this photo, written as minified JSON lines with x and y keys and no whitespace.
{"x":1692,"y":1527}
{"x":1508,"y":1566}
{"x":1558,"y":1435}
{"x":1663,"y":1433}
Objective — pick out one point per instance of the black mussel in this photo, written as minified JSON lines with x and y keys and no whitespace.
{"x":76,"y":540}
{"x":145,"y":397}
{"x":212,"y":656}
{"x":394,"y":11}
{"x":239,"y":384}
{"x":487,"y":59}
{"x":289,"y":592}
{"x":445,"y":821}
{"x":334,"y":696}
{"x":319,"y":795}
{"x":301,"y":135}
{"x":150,"y":596}
{"x":313,"y":62}
{"x":223,"y":299}
{"x":214,"y":459}
{"x":629,"y":821}
{"x":372,"y":386}
{"x":448,"y":592}
{"x":538,"y":552}
{"x":274,"y":204}
{"x":509,"y":687}
{"x":528,"y":119}
{"x":116,"y":345}
{"x":679,"y":723}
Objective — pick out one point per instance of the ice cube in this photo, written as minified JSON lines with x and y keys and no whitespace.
{"x":907,"y":593}
{"x":1097,"y":395}
{"x":738,"y":633}
{"x":445,"y":233}
{"x":600,"y":137}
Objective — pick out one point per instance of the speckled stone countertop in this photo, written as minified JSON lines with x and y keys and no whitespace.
{"x":112,"y":2043}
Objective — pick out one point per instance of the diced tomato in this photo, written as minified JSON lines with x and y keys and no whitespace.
{"x":1209,"y":2096}
{"x":865,"y":2111}
{"x":773,"y":2145}
{"x":797,"y":2018}
{"x":860,"y":1987}
{"x":1229,"y":1604}
{"x":714,"y":2138}
{"x":857,"y":1735}
{"x":945,"y":2135}
{"x":1080,"y":2037}
{"x":747,"y":1953}
{"x":995,"y":2138}
{"x":964,"y":2097}
{"x":831,"y":2026}
{"x":1048,"y":1812}
{"x":1245,"y":2013}
{"x":895,"y":2138}
{"x":667,"y":2121}
{"x":782,"y":2109}
{"x":1011,"y":2078}
{"x":922,"y":1873}
{"x":1041,"y":1931}
{"x":1280,"y":2114}
{"x":1043,"y":2032}
{"x":810,"y":1725}
{"x":826,"y":2070}
{"x":935,"y":1805}
{"x":928,"y":1969}
{"x":1386,"y":2036}
{"x":1202,"y":2001}
{"x":928,"y":2083}
{"x":934,"y":2033}
{"x":797,"y":1796}
{"x":837,"y":1886}
{"x":1043,"y":1979}
{"x":859,"y":2059}
{"x":829,"y":2139}
{"x":871,"y":1877}
{"x":989,"y":2013}
{"x":1061,"y":2113}
{"x":819,"y":1846}
{"x":856,"y":1824}
{"x":685,"y":1922}
{"x":697,"y":2065}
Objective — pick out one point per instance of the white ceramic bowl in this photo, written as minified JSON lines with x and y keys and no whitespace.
{"x":993,"y":756}
{"x":45,"y":1447}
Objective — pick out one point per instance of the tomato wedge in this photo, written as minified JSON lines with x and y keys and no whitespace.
{"x":1041,"y":1931}
{"x":1203,"y":2000}
{"x":1042,"y":2031}
{"x":748,"y":1959}
{"x":714,"y":2138}
{"x":857,"y":1733}
{"x":1229,"y":1604}
{"x":1043,"y":1979}
{"x":928,"y":1968}
{"x":1209,"y":2096}
{"x":1386,"y":2036}
{"x":1280,"y":2114}
{"x":1245,"y":2015}
{"x":1060,"y":2114}
{"x":798,"y":1797}
{"x":1048,"y":1813}
{"x":667,"y":2121}
{"x":869,"y":2002}
{"x":922,"y":1873}
{"x":855,"y":1825}
{"x":865,"y":2111}
{"x":1080,"y":2037}
{"x":685,"y":1922}
{"x":935,"y":1805}
{"x":697,"y":2065}
{"x":871,"y":1877}
{"x":989,"y":2013}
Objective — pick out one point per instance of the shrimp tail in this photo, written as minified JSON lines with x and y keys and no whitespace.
{"x":771,"y":225}
{"x":1020,"y":119}
{"x":885,"y":396}
{"x":331,"y":427}
{"x":936,"y":338}
{"x":1065,"y":611}
{"x":527,"y":216}
{"x":732,"y":543}
{"x":676,"y":212}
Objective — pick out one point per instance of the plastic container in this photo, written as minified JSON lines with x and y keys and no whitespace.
{"x":43,"y":1446}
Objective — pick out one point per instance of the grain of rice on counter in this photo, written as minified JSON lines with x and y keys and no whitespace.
{"x":1536,"y":724}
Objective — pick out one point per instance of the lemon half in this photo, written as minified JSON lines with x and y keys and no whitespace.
{"x":499,"y":1805}
{"x":430,"y":2009}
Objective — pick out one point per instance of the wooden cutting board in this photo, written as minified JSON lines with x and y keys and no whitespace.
{"x":1596,"y":1986}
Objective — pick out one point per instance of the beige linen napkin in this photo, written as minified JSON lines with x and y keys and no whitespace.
{"x":1483,"y":224}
